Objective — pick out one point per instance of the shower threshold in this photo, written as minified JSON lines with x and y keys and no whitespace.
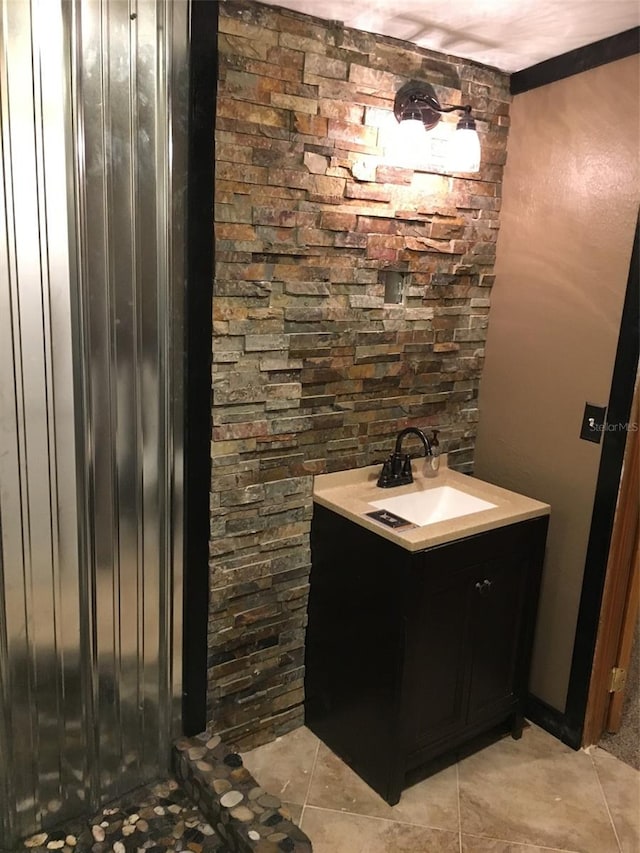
{"x":159,"y":818}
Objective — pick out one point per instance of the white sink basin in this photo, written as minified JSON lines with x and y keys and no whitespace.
{"x":428,"y":507}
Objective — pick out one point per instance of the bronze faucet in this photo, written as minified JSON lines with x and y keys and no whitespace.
{"x":396,"y":471}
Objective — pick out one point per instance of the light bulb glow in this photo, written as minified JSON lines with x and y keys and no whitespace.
{"x":410,"y":141}
{"x":464,"y":151}
{"x":411,"y":133}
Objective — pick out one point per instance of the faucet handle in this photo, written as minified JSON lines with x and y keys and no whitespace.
{"x":406,"y":469}
{"x":396,"y":471}
{"x":386,"y":475}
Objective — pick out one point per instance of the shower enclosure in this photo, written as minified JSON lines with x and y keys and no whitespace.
{"x":93,"y":105}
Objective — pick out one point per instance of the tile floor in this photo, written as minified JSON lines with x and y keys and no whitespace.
{"x":529,"y":796}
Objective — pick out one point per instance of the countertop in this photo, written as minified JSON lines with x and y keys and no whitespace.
{"x":351,"y":494}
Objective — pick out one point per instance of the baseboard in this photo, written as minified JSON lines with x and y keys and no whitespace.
{"x":552,"y":721}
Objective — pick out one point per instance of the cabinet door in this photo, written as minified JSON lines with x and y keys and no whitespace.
{"x":495,"y":619}
{"x":436,"y":659}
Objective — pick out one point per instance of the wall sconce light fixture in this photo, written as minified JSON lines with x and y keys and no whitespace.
{"x":417,"y":107}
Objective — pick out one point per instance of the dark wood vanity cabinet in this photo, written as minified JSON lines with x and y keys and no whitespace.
{"x":410,"y":655}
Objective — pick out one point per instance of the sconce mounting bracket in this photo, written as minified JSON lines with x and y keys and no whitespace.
{"x":418,"y":100}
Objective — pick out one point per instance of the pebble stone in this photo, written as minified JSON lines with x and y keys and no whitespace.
{"x":241,"y":775}
{"x":108,"y":831}
{"x":269,"y":802}
{"x":36,"y":840}
{"x":242,"y":813}
{"x":231,"y":799}
{"x":98,"y":832}
{"x":197,"y":752}
{"x":165,"y":817}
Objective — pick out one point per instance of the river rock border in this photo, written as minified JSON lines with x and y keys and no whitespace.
{"x":246,"y":817}
{"x":154,"y":818}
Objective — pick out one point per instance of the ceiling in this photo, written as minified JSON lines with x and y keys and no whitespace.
{"x":506,"y":34}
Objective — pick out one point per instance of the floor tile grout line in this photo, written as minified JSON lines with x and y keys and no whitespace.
{"x":313,"y":770}
{"x":385,"y":819}
{"x":522,"y":843}
{"x":604,"y":798}
{"x":440,"y":829}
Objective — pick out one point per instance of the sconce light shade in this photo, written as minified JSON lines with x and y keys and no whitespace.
{"x":409,"y":143}
{"x":464,"y":149}
{"x":417,"y":102}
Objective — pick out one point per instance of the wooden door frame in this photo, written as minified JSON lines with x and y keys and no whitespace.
{"x":617,"y":588}
{"x":629,"y":632}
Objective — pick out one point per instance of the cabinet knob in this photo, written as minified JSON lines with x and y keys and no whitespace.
{"x":484,"y":586}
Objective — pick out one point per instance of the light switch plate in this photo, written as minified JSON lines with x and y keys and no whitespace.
{"x":593,"y":422}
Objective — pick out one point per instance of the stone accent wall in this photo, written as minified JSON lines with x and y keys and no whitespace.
{"x":313,"y":372}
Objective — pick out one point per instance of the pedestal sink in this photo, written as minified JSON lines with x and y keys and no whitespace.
{"x":430,"y":506}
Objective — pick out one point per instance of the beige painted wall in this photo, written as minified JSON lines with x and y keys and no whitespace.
{"x":570,"y":201}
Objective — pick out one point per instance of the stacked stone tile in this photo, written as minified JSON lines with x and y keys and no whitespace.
{"x":312,"y":371}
